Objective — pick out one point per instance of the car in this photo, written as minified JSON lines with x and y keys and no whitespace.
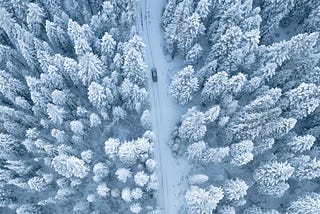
{"x":154,"y":74}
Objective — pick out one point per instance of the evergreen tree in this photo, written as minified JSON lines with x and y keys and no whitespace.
{"x":271,"y":177}
{"x":184,"y":85}
{"x":272,"y":12}
{"x":234,"y":190}
{"x":70,"y":166}
{"x":90,"y":69}
{"x":193,"y":127}
{"x":305,"y":204}
{"x":203,"y":201}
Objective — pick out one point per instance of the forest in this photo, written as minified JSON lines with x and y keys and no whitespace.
{"x":78,"y":110}
{"x":250,"y":81}
{"x":75,"y":131}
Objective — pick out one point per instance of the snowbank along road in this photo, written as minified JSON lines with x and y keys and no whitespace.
{"x":164,"y":112}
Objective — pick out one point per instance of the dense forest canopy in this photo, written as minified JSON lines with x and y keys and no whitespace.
{"x":72,"y":84}
{"x":76,"y":120}
{"x":251,"y":84}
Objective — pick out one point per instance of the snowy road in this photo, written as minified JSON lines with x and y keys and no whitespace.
{"x":164,"y":113}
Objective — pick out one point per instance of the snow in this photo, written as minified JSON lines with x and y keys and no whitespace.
{"x":164,"y":112}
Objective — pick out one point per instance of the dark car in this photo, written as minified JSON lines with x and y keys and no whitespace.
{"x":154,"y":74}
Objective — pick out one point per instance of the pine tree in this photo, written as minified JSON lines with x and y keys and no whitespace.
{"x":271,"y":177}
{"x":127,"y":153}
{"x":194,"y":54}
{"x":199,"y":200}
{"x":134,"y":66}
{"x":100,"y":171}
{"x":272,"y":12}
{"x":305,"y":167}
{"x":302,"y":100}
{"x":190,"y":30}
{"x":214,"y":86}
{"x":56,"y":114}
{"x":203,"y":8}
{"x":309,"y":203}
{"x":123,"y":174}
{"x":241,"y":153}
{"x":301,"y":143}
{"x":193,"y":126}
{"x":35,"y":18}
{"x":108,"y":46}
{"x":141,"y":178}
{"x":90,"y":68}
{"x":111,"y":147}
{"x":234,"y":190}
{"x":70,"y":166}
{"x":184,"y":85}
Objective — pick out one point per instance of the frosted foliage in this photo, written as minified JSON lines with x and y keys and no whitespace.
{"x":303,"y":100}
{"x":108,"y":44}
{"x":143,"y":145}
{"x":136,"y":193}
{"x":37,"y":184}
{"x":55,"y":114}
{"x":212,"y":114}
{"x":111,"y":147}
{"x":302,"y":143}
{"x":134,"y":66}
{"x":203,"y":8}
{"x":184,"y":85}
{"x":141,"y":179}
{"x":94,"y":120}
{"x":190,"y":30}
{"x":102,"y":190}
{"x":241,"y":153}
{"x":123,"y":174}
{"x":194,"y":54}
{"x":276,"y":190}
{"x":199,"y":152}
{"x":135,"y":208}
{"x":272,"y":176}
{"x":196,"y":150}
{"x":273,"y":172}
{"x":91,"y":198}
{"x":81,"y":206}
{"x":237,"y":83}
{"x":100,"y":171}
{"x":128,"y":152}
{"x":308,"y":204}
{"x":70,"y":166}
{"x":29,"y":208}
{"x":151,"y":164}
{"x":87,"y":156}
{"x":226,"y":210}
{"x":77,"y":127}
{"x":203,"y":201}
{"x":235,"y":189}
{"x":96,"y":94}
{"x":90,"y":68}
{"x":73,"y":89}
{"x":126,"y":194}
{"x":214,"y":86}
{"x":215,"y":155}
{"x":193,"y":126}
{"x":59,"y":97}
{"x":146,"y":119}
{"x":305,"y":167}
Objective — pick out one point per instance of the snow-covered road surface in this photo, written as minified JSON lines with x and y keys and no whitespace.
{"x":164,"y":112}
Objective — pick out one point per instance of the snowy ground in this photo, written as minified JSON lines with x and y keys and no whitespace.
{"x":171,"y":172}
